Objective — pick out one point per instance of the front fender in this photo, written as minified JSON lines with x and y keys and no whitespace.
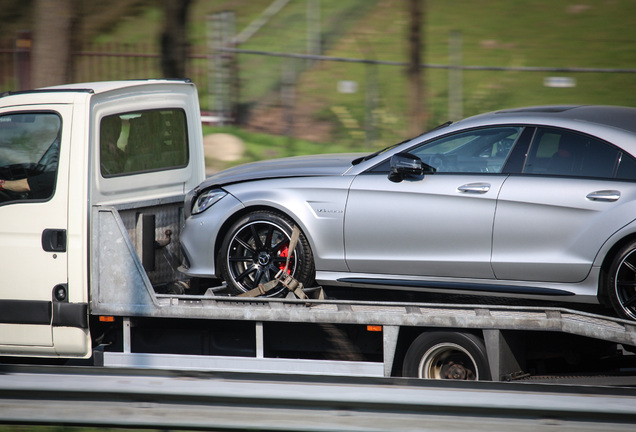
{"x":316,"y":204}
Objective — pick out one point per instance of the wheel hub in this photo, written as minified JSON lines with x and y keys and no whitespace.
{"x":455,"y":371}
{"x":263,"y":258}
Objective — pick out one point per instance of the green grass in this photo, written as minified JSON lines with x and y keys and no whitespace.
{"x":553,"y":33}
{"x":494,"y":33}
{"x":261,"y":146}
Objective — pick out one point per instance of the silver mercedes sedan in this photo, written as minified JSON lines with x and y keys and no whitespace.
{"x":533,"y":203}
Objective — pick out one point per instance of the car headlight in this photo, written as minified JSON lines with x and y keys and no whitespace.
{"x":207,"y":200}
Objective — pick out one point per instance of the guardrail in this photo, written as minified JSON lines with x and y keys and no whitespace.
{"x":212,"y":401}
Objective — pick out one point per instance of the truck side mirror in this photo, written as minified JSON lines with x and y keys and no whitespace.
{"x":407,"y":164}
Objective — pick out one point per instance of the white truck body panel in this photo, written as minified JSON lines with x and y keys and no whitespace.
{"x":32,"y":325}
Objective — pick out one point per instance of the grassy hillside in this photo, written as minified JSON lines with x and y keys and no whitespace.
{"x":535,"y":33}
{"x":553,"y":33}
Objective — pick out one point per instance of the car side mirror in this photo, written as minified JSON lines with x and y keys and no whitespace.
{"x":407,"y":164}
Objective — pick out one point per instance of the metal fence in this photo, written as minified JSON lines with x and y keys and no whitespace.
{"x":96,"y":62}
{"x":281,"y":99}
{"x":361,"y":102}
{"x":353,"y":101}
{"x":169,"y":400}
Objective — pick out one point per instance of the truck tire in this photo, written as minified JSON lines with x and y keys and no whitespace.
{"x":447,"y":355}
{"x":255,"y":249}
{"x":620,"y":285}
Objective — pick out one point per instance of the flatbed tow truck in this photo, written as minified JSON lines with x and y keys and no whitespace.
{"x":90,"y":268}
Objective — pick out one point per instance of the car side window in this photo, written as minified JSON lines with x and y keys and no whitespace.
{"x":626,"y":168}
{"x":143,"y":141}
{"x":565,"y":153}
{"x":476,"y":151}
{"x":29,"y":155}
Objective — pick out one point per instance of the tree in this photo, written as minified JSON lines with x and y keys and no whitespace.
{"x":174,"y":42}
{"x":53,"y":23}
{"x":415,"y":75}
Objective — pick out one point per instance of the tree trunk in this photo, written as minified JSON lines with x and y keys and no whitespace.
{"x":174,"y":42}
{"x":415,"y":73}
{"x":52,"y":63}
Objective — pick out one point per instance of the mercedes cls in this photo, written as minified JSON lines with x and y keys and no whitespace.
{"x":534,"y":202}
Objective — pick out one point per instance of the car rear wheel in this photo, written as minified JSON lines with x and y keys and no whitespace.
{"x":255,"y":250}
{"x":447,"y":355}
{"x":621,"y":282}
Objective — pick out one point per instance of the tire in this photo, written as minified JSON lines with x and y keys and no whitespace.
{"x":255,"y":248}
{"x":621,"y":282}
{"x":447,"y":355}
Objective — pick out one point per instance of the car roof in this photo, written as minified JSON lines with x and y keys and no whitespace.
{"x":97,"y":87}
{"x":106,"y":86}
{"x":612,"y":116}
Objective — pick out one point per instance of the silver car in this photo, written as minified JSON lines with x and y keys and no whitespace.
{"x":534,"y":203}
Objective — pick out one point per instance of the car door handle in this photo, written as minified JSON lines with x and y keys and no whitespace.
{"x":478,"y":188}
{"x":604,"y":195}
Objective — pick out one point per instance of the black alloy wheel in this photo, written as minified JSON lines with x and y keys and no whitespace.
{"x":255,"y":251}
{"x":621,"y":285}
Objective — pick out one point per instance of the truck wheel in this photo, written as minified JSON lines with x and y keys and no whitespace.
{"x":447,"y":355}
{"x":255,"y":249}
{"x":621,"y":282}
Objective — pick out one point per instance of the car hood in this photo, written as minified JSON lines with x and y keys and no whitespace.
{"x":299,"y":166}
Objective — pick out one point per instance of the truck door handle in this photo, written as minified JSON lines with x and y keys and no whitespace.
{"x":475,"y":188}
{"x":54,"y":240}
{"x":604,"y":195}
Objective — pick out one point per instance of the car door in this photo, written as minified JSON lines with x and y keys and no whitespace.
{"x":552,"y":220}
{"x":433,"y":225}
{"x":33,"y":146}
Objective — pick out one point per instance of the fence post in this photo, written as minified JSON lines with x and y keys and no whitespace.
{"x":371,"y":104}
{"x":22,"y":60}
{"x":455,"y":84}
{"x":314,"y":42}
{"x":221,"y":65}
{"x":288,"y":95}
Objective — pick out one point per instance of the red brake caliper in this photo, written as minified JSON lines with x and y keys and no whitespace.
{"x":283,"y":254}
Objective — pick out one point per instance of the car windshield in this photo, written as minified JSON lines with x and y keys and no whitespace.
{"x":374,"y":154}
{"x":392,"y":146}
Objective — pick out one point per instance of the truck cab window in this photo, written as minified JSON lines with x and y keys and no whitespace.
{"x":29,"y":154}
{"x":144,"y":141}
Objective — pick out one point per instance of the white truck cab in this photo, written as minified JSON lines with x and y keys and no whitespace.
{"x":64,"y":152}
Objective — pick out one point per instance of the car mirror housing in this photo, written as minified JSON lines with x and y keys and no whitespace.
{"x":407,"y":164}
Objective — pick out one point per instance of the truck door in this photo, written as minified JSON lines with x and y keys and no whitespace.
{"x":34,"y":154}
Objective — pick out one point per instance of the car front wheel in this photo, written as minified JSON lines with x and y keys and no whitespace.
{"x":255,"y":250}
{"x":621,"y":282}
